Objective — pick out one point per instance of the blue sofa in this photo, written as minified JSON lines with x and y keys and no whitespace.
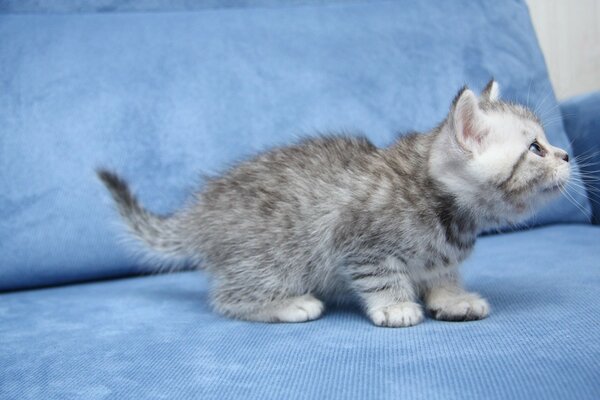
{"x":162,"y":91}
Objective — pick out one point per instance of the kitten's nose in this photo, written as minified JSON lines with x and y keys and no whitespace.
{"x":563,"y":155}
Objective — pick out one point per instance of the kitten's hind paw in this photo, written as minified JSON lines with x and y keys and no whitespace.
{"x":464,"y":307}
{"x":397,"y":315}
{"x":299,"y":309}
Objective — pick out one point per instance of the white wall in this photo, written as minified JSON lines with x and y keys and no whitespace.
{"x":569,"y":34}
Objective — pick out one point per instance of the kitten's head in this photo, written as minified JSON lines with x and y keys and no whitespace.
{"x":494,"y":156}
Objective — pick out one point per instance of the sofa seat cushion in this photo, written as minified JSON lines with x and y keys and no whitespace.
{"x":156,"y":337}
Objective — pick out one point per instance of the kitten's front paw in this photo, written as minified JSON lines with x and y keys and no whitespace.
{"x":397,"y":315}
{"x":463,"y":307}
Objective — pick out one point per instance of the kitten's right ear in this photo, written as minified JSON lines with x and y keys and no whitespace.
{"x":467,"y":120}
{"x":491,"y":91}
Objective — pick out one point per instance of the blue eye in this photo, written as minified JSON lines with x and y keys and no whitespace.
{"x":536,"y":149}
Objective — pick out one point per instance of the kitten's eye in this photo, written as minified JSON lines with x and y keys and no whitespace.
{"x":536,"y":149}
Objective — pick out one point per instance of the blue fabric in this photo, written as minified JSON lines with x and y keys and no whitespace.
{"x":156,"y":338}
{"x":161,"y":97}
{"x":581,"y":116}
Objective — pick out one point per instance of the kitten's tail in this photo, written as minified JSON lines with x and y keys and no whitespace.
{"x":156,"y":232}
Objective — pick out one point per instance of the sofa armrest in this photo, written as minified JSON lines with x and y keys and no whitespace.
{"x":581,"y":117}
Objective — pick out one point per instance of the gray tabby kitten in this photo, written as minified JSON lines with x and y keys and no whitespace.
{"x":295,"y":224}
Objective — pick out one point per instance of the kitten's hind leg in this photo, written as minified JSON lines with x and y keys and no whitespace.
{"x":297,"y":309}
{"x":288,"y":309}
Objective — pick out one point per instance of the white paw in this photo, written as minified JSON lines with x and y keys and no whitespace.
{"x":397,"y":315}
{"x":463,"y":307}
{"x":300,"y":309}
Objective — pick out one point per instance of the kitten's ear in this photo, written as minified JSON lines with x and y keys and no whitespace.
{"x":491,"y":91}
{"x":468,"y":121}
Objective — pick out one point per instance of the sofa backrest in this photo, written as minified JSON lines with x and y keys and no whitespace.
{"x":164,"y":96}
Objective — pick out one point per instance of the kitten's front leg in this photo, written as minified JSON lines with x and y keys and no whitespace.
{"x":387,"y":293}
{"x":446,"y":300}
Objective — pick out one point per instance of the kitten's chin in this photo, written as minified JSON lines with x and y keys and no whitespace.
{"x":545,"y":194}
{"x":552,"y":189}
{"x":555,"y":187}
{"x":550,"y":192}
{"x":528,"y":208}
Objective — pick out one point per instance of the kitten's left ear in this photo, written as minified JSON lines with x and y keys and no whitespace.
{"x":468,"y":121}
{"x":491,"y":91}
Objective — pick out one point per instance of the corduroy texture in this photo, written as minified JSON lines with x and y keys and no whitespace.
{"x":581,"y":117}
{"x":161,"y":97}
{"x":155,"y":337}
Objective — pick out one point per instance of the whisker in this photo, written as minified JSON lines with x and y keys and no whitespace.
{"x":541,"y":104}
{"x":589,"y":179}
{"x":588,"y":153}
{"x":528,"y":90}
{"x":587,"y":162}
{"x":574,"y":202}
{"x":586,"y":191}
{"x":588,"y":171}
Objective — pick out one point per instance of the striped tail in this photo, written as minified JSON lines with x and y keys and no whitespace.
{"x":157,"y":232}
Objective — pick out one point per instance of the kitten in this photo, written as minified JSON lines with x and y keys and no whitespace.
{"x":295,"y":224}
